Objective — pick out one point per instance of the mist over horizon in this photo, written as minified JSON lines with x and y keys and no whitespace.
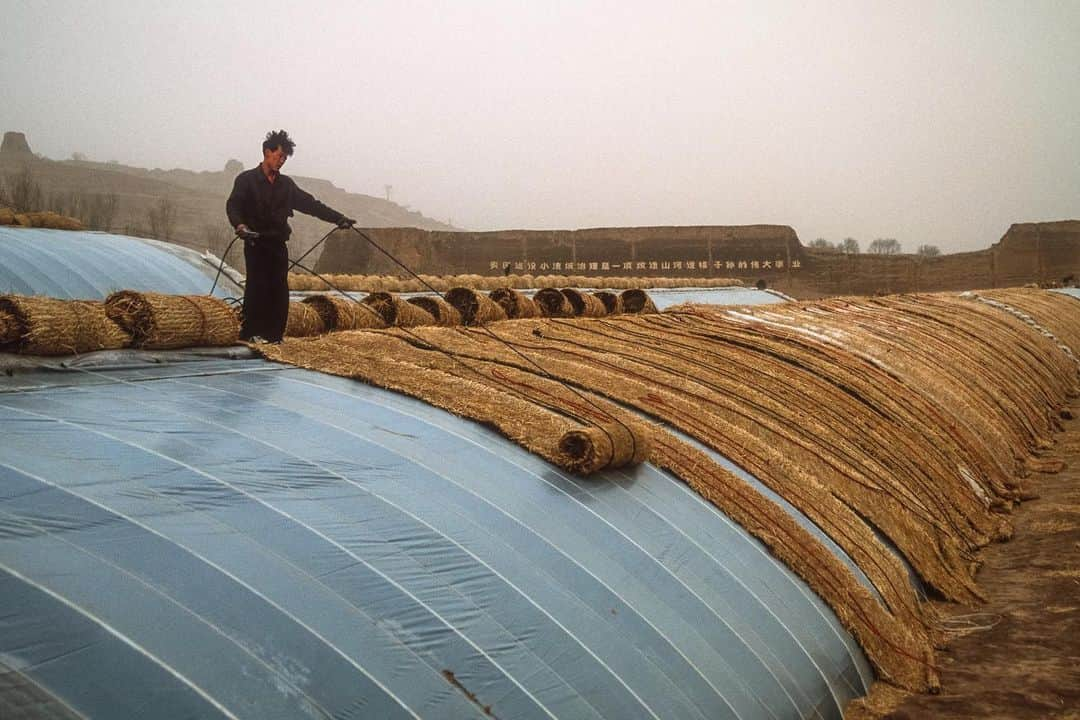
{"x":935,"y":123}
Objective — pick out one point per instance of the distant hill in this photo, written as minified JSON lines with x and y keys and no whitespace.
{"x":181,"y":206}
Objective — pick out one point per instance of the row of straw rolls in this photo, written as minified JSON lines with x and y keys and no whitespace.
{"x":48,"y":326}
{"x":388,"y":283}
{"x":317,"y":314}
{"x":162,"y":322}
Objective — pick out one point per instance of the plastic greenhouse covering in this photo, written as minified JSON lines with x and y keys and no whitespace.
{"x":232,"y":538}
{"x":90,"y":265}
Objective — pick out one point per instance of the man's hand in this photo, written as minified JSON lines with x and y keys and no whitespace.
{"x":346,"y":222}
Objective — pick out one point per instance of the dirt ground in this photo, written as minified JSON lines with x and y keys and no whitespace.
{"x":1018,"y":655}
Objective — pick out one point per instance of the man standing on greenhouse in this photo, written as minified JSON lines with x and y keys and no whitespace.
{"x":259,"y":207}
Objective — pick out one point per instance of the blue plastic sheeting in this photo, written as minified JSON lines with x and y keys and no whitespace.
{"x":290,"y":544}
{"x":90,"y":265}
{"x":664,"y":298}
{"x":1072,"y":292}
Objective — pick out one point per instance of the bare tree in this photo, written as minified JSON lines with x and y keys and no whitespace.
{"x":135,"y":230}
{"x":100,"y":211}
{"x":849,"y":246}
{"x":821,"y":244}
{"x":928,"y":250}
{"x":162,"y":219}
{"x":884,"y":246}
{"x":23,"y":192}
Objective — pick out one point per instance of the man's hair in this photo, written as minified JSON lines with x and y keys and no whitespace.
{"x":279,"y":139}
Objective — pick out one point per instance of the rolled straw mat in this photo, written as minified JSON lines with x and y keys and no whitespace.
{"x":514,"y":304}
{"x":161,"y":322}
{"x":304,"y":321}
{"x":584,"y":305}
{"x":48,"y":326}
{"x":553,"y":303}
{"x":395,"y":312}
{"x":637,"y":301}
{"x":444,"y":313}
{"x":612,"y":301}
{"x":341,"y":313}
{"x":475,"y":308}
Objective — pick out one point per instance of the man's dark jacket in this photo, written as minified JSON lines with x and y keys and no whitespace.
{"x":266,"y":207}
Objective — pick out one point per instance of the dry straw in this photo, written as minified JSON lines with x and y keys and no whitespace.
{"x":514,"y":304}
{"x":444,"y":313}
{"x":536,"y":412}
{"x":553,"y":303}
{"x":475,"y":309}
{"x":340,"y":313}
{"x":895,"y":648}
{"x":638,"y":302}
{"x":48,"y":326}
{"x":612,"y":301}
{"x":304,"y":321}
{"x":46,"y":219}
{"x":584,"y":304}
{"x":9,"y":328}
{"x":396,"y":312}
{"x":162,"y":322}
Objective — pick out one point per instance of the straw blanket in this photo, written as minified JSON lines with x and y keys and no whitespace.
{"x":863,"y":413}
{"x":540,"y":414}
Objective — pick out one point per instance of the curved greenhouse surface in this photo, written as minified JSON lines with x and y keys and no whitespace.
{"x":90,"y":265}
{"x":235,"y":539}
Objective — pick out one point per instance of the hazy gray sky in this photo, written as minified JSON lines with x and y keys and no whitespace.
{"x":938,"y":122}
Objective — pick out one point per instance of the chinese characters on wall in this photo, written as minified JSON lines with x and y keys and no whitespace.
{"x":641,"y":265}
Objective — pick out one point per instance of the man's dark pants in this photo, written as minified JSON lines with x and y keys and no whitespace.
{"x":266,"y":290}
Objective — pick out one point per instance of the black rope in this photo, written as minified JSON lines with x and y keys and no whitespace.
{"x":296,"y":262}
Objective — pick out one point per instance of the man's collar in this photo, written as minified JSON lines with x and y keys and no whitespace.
{"x":262,"y":172}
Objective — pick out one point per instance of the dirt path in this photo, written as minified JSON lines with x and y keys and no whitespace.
{"x":1018,"y":656}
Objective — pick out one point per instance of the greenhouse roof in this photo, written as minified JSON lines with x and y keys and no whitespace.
{"x":90,"y":265}
{"x":235,"y":538}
